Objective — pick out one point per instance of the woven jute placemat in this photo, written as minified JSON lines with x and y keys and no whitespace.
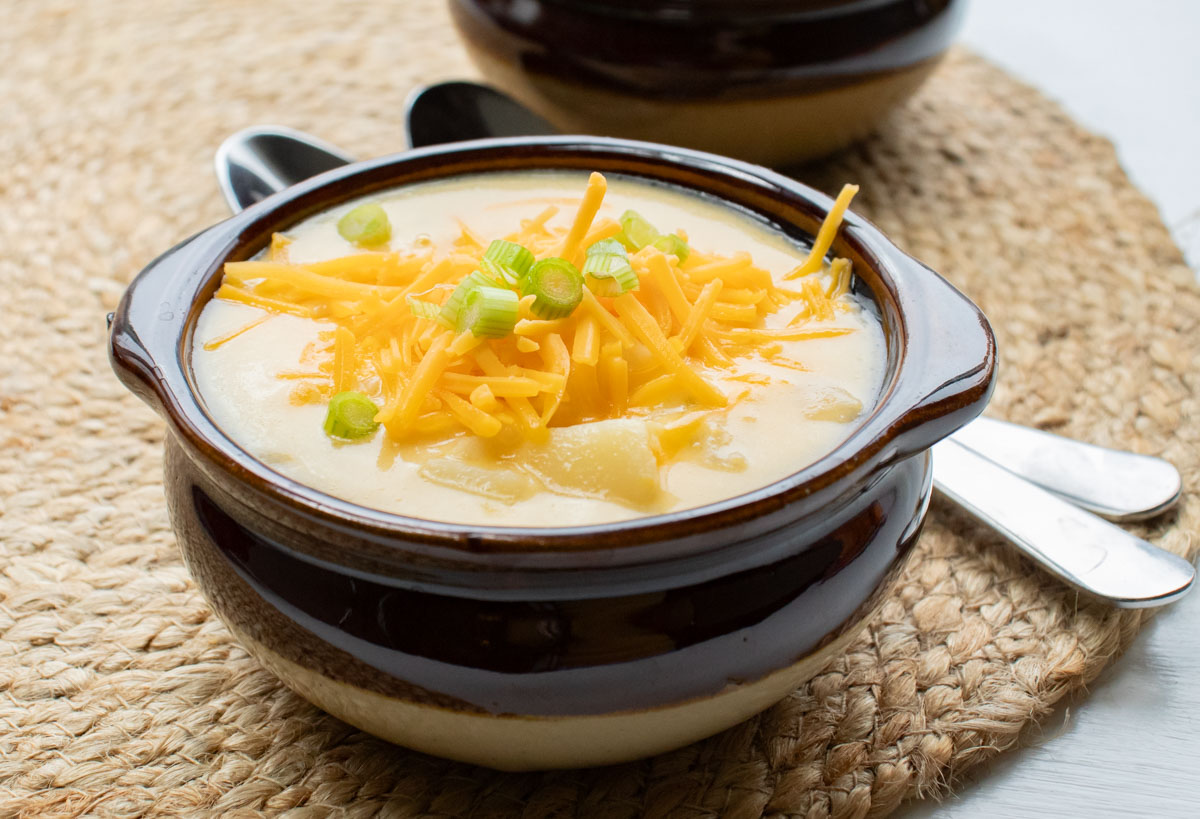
{"x":123,"y":695}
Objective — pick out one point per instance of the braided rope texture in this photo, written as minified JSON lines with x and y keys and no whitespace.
{"x":122,"y":695}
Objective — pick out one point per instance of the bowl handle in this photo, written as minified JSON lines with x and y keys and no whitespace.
{"x":148,"y":324}
{"x":949,"y":358}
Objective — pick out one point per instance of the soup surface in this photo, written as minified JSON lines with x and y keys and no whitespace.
{"x":793,"y":363}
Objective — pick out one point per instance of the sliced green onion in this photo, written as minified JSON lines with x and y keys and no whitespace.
{"x":557,"y":288}
{"x":672,"y":245}
{"x":454,"y":304}
{"x":606,"y":247}
{"x":366,"y":225}
{"x":607,"y":268}
{"x":636,"y":232}
{"x":489,"y":312}
{"x":427,"y":310}
{"x":507,"y":260}
{"x":351,"y":415}
{"x":499,"y":272}
{"x":609,"y":274}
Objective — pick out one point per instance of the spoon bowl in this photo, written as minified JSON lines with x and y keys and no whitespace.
{"x":256,"y":162}
{"x":459,"y":111}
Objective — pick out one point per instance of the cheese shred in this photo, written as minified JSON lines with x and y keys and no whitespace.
{"x":679,"y":333}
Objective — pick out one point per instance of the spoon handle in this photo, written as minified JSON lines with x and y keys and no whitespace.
{"x":1111,"y":483}
{"x":1073,"y":544}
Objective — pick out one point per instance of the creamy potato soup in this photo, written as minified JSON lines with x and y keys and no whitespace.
{"x":625,"y":349}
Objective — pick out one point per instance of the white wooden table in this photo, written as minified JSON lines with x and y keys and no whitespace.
{"x":1131,"y":747}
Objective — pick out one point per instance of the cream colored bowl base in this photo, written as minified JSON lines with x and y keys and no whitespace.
{"x":771,"y":131}
{"x":524,"y":743}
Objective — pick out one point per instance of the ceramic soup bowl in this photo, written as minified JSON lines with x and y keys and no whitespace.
{"x":772,"y":81}
{"x":530,"y":648}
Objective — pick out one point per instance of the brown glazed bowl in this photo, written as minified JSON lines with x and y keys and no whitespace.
{"x":771,"y":81}
{"x":523,"y":648}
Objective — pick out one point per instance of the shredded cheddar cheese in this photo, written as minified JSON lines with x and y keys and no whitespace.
{"x":592,"y":197}
{"x":215,"y":343}
{"x":677,"y":334}
{"x":829,"y":229}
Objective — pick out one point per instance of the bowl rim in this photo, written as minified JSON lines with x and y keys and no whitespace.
{"x":152,"y":329}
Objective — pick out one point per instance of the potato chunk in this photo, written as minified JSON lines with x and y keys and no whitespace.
{"x":499,"y":483}
{"x":833,"y":404}
{"x":611,"y":460}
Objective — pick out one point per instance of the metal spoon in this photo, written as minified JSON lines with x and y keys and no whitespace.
{"x":1077,"y":546}
{"x":256,"y":162}
{"x":1072,"y":543}
{"x":1112,"y":483}
{"x":456,"y":111}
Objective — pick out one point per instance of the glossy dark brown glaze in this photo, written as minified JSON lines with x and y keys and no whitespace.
{"x":708,"y":49}
{"x":560,"y":654}
{"x":573,"y":620}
